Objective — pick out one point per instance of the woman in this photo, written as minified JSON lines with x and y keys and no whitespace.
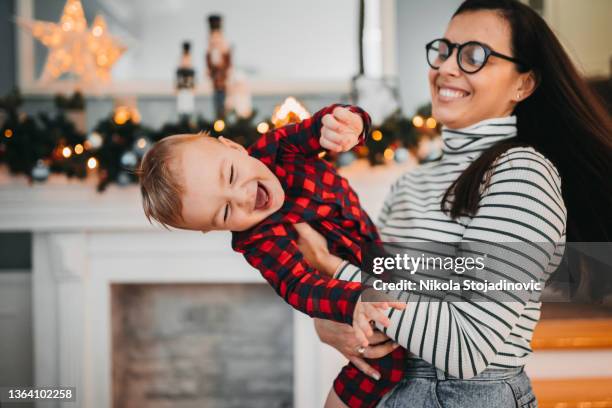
{"x":527,"y":158}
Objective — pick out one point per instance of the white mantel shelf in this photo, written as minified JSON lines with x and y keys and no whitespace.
{"x":62,"y":204}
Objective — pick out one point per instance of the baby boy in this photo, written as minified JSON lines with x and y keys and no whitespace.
{"x":201,"y":183}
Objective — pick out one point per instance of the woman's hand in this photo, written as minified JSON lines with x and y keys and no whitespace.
{"x":366,"y":313}
{"x":342,"y":337}
{"x":314,"y":248}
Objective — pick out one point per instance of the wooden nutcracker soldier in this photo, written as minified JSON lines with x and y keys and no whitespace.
{"x":185,"y":84}
{"x":219,"y":62}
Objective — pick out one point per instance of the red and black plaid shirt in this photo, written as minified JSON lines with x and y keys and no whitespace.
{"x":315,"y":193}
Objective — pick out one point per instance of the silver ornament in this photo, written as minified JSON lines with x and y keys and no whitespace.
{"x":401,"y":154}
{"x":40,"y":172}
{"x":123,"y":178}
{"x":346,"y":158}
{"x":129,"y":159}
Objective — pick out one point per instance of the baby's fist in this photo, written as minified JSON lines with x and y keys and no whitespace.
{"x":341,"y":130}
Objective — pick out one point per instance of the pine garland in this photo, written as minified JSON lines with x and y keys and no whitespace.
{"x":36,"y":146}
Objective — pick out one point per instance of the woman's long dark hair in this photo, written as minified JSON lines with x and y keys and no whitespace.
{"x":563,"y":119}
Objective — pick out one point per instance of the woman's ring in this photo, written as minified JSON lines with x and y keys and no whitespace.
{"x":361,"y":350}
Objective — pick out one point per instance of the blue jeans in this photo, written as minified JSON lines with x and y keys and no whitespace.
{"x":427,"y":387}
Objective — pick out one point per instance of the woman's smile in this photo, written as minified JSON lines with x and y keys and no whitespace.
{"x":448,"y":93}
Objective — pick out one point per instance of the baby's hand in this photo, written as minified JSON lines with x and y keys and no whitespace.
{"x":365,"y":312}
{"x":341,"y":130}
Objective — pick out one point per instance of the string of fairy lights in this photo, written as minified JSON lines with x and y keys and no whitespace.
{"x":39,"y":146}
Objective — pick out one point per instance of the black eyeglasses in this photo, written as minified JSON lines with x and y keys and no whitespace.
{"x":472,"y":56}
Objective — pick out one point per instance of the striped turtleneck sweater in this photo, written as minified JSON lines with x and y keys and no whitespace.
{"x":522,"y":203}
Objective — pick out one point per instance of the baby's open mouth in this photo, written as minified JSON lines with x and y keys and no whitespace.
{"x":263,"y":198}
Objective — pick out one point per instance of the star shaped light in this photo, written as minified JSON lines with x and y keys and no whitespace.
{"x":106,"y":49}
{"x":90,"y":54}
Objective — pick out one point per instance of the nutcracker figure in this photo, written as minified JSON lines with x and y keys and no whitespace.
{"x":185,"y":84}
{"x":218,"y":62}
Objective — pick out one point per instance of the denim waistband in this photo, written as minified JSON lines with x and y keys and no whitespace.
{"x":419,"y":368}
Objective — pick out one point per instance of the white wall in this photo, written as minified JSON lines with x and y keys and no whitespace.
{"x":277,"y":39}
{"x":418,"y":22}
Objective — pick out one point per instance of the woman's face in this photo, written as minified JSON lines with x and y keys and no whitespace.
{"x":460,"y":99}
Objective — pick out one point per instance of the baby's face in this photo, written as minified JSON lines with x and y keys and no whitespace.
{"x":224,"y":187}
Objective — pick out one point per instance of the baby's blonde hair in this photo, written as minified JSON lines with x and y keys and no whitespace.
{"x":160,"y":181}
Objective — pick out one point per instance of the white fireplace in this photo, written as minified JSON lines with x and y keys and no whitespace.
{"x":72,"y":277}
{"x":84,"y":241}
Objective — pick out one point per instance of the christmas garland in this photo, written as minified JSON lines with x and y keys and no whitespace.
{"x":38,"y":146}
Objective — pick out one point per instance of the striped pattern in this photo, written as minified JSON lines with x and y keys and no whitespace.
{"x":523,"y":203}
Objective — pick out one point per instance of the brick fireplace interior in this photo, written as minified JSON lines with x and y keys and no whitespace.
{"x":200,"y":345}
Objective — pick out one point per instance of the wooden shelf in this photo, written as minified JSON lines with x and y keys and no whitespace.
{"x":574,"y":393}
{"x":573,"y":326}
{"x":556,"y":334}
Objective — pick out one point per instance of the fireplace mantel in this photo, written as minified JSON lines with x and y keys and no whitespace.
{"x":84,"y":241}
{"x":63,"y":204}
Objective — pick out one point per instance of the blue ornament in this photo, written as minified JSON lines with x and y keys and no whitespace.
{"x":129,"y":159}
{"x":401,"y":154}
{"x":346,"y":158}
{"x":40,"y":172}
{"x":123,"y":178}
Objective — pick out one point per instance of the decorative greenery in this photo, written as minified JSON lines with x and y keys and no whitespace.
{"x":36,"y":146}
{"x":26,"y":139}
{"x":396,"y":131}
{"x":74,"y":102}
